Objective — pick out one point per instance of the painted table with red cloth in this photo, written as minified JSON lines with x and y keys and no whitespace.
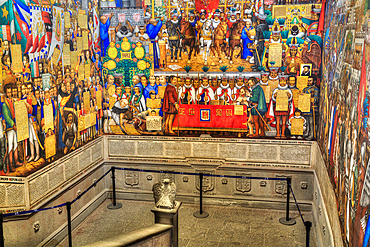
{"x":210,"y":117}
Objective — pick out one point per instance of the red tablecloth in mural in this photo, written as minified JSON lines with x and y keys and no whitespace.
{"x":210,"y":116}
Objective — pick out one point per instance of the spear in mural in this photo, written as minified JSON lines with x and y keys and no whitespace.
{"x":196,"y":93}
{"x":313,"y":116}
{"x":178,"y":113}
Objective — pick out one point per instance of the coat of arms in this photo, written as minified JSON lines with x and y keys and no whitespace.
{"x":132,"y":178}
{"x":205,"y":115}
{"x":243,"y":184}
{"x":136,"y":17}
{"x":281,"y":185}
{"x":208,"y":182}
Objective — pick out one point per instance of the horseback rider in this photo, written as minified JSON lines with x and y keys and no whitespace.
{"x":216,"y":20}
{"x":200,"y":22}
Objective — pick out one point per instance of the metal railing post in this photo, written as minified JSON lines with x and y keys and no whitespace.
{"x":115,"y":204}
{"x":308,"y":225}
{"x":286,"y":220}
{"x":68,"y":205}
{"x":201,"y":213}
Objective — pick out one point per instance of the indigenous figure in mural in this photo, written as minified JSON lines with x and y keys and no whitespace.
{"x":293,"y":61}
{"x":280,"y":111}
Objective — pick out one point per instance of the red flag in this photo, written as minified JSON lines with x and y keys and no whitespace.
{"x":35,"y":44}
{"x":209,"y":5}
{"x":29,"y":43}
{"x":41,"y":43}
{"x":320,"y":29}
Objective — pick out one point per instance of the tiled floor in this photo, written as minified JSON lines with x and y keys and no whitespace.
{"x":225,"y":226}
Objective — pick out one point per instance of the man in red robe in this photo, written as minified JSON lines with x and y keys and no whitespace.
{"x":170,"y":105}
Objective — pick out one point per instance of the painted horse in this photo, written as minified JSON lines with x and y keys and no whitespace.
{"x":219,"y":41}
{"x":173,"y":39}
{"x":188,"y":38}
{"x":234,"y":39}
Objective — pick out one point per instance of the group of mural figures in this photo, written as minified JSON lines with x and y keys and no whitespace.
{"x":234,"y":68}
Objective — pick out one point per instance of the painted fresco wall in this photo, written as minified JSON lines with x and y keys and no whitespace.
{"x":228,"y":69}
{"x":344,"y":106}
{"x":71,"y":71}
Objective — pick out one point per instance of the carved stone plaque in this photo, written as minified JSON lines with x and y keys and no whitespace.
{"x":208,"y":182}
{"x":132,"y":177}
{"x":281,"y":185}
{"x":243,"y":184}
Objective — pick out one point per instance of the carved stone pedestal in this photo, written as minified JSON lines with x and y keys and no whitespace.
{"x":169,"y":217}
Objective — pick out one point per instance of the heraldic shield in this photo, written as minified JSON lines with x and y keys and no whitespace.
{"x":281,"y":185}
{"x":208,"y":182}
{"x":243,"y":184}
{"x":132,"y":178}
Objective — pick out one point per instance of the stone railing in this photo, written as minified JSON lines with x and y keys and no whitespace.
{"x":72,"y":174}
{"x":155,"y":235}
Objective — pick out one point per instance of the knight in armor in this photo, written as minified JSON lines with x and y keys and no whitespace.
{"x":174,"y":27}
{"x":200,"y":22}
{"x":216,"y":19}
{"x":259,"y":40}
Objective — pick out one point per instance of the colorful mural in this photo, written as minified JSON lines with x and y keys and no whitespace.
{"x":344,"y":130}
{"x":72,"y":71}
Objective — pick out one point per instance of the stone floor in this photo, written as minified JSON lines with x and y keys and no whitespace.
{"x":225,"y":226}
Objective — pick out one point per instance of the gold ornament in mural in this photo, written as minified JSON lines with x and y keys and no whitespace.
{"x":112,"y":52}
{"x":141,"y":65}
{"x":139,"y":51}
{"x":111,"y":90}
{"x":125,"y":45}
{"x":110,"y":65}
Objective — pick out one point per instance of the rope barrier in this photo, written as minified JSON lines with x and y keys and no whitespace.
{"x":296,"y":203}
{"x":97,"y":181}
{"x":60,"y":205}
{"x":33,"y":211}
{"x":201,"y":213}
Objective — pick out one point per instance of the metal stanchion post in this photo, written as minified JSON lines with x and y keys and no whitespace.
{"x":115,"y":204}
{"x":68,"y":204}
{"x":308,"y":225}
{"x":201,"y":213}
{"x":286,"y":220}
{"x":1,"y":231}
